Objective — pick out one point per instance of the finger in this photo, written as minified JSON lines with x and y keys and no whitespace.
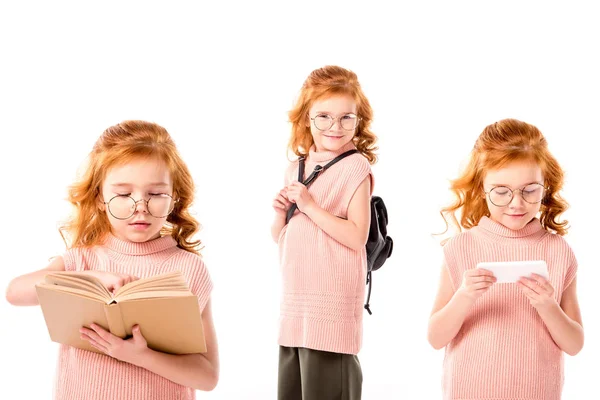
{"x":543,"y":282}
{"x":532,"y":285}
{"x":91,"y":335}
{"x":528,"y":291}
{"x":104,"y":334}
{"x":95,"y":344}
{"x":137,"y":333}
{"x":481,"y":285}
{"x":281,"y":199}
{"x":479,"y":272}
{"x":485,"y":278}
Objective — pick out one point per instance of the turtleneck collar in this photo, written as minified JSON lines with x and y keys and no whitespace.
{"x":531,"y":232}
{"x":324,"y":156}
{"x":139,"y":249}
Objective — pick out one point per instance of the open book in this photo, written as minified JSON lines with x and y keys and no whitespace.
{"x":163,"y":306}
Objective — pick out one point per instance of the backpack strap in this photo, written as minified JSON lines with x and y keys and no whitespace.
{"x":316,"y":172}
{"x":369,"y":282}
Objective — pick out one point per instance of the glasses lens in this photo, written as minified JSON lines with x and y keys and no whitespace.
{"x":121,"y":207}
{"x":160,"y":206}
{"x":349,"y":122}
{"x":533,"y":193}
{"x":500,"y":196}
{"x":323,"y":122}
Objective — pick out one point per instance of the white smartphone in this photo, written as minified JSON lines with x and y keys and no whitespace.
{"x":512,"y":271}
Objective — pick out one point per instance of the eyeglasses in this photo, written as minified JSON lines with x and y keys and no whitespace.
{"x":324,"y":122}
{"x":501,"y":196}
{"x":124,"y":206}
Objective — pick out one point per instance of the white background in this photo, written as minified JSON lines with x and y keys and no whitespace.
{"x":221,"y":79}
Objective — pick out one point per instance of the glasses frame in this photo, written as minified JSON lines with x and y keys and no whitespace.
{"x":512,"y":194}
{"x":106,"y":203}
{"x":333,"y":119}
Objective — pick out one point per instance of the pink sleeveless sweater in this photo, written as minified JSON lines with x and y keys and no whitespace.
{"x":503,"y":350}
{"x":86,"y":375}
{"x":323,"y":280}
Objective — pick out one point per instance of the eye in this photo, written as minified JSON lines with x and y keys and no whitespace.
{"x":532,"y":188}
{"x":323,"y":116}
{"x":123,"y":194}
{"x":349,"y":116}
{"x":157,"y":194}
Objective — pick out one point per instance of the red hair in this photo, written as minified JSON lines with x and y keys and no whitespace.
{"x":499,"y":144}
{"x":118,"y":145}
{"x":324,"y":83}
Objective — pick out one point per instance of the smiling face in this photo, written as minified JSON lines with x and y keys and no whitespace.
{"x":138,"y":180}
{"x":518,"y":175}
{"x":341,"y":110}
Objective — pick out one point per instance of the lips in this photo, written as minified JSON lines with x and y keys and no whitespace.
{"x":140,"y":223}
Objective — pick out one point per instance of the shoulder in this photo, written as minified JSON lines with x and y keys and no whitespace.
{"x":187,"y":260}
{"x":78,"y":258}
{"x":559,"y":244}
{"x":459,"y":240}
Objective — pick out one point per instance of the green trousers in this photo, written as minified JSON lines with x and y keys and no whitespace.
{"x":306,"y":374}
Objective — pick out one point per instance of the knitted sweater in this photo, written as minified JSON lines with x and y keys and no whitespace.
{"x":323,"y":280}
{"x":503,"y":350}
{"x":87,"y":375}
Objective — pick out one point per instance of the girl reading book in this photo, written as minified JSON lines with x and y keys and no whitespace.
{"x":131,"y":220}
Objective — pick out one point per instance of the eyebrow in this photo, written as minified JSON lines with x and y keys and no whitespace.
{"x":327,"y":112}
{"x":507,"y":185}
{"x":164,"y":184}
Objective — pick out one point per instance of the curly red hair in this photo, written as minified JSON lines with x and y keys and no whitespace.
{"x":499,"y":144}
{"x":118,"y":145}
{"x":323,"y":83}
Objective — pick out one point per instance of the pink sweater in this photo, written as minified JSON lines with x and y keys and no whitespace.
{"x":323,"y":280}
{"x":86,"y":375}
{"x":503,"y":350}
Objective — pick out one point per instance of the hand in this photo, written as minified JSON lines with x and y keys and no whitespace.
{"x":538,"y":290}
{"x":128,"y":350}
{"x":281,"y":204}
{"x":476,"y":282}
{"x":112,"y":281}
{"x":298,"y":193}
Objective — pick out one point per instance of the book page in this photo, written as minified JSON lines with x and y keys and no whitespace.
{"x":82,"y":282}
{"x":74,"y":290}
{"x":170,"y":282}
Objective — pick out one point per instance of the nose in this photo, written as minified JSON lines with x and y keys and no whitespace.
{"x":338,"y":122}
{"x":517,"y":200}
{"x":144,"y":206}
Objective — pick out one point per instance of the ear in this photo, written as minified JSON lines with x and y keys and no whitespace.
{"x":100,"y":203}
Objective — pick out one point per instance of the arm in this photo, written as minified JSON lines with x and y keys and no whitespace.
{"x":352,"y":232}
{"x":281,"y":204}
{"x":21,"y":290}
{"x":451,"y":308}
{"x":198,"y":371}
{"x":562,"y":320}
{"x":277,"y":226}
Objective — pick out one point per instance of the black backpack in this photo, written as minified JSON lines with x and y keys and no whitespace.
{"x":379,"y":245}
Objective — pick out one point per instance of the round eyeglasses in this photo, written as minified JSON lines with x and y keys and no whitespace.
{"x":124,"y":206}
{"x":501,"y":196}
{"x":323,"y":122}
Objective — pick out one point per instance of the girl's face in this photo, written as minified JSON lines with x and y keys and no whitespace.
{"x":333,"y":122}
{"x":137,"y":199}
{"x":514,"y":193}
